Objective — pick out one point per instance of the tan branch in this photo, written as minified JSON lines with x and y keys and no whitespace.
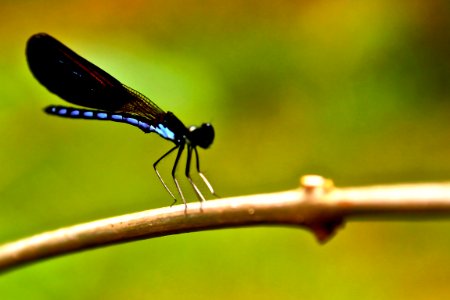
{"x":316,"y":206}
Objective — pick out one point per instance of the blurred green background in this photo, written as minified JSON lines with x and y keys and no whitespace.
{"x":357,"y":91}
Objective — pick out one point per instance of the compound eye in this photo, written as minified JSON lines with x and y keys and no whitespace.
{"x":202,"y":136}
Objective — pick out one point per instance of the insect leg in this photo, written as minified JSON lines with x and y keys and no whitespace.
{"x":187,"y":173}
{"x":205,"y":180}
{"x":174,"y":169}
{"x":159,"y":176}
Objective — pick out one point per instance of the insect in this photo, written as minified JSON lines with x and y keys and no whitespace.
{"x":80,"y":82}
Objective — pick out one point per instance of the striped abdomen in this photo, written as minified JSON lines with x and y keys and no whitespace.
{"x":77,"y":113}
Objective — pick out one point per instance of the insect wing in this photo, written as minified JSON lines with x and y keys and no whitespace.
{"x":80,"y":82}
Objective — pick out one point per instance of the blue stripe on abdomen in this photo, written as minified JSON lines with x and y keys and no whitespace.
{"x":75,"y":113}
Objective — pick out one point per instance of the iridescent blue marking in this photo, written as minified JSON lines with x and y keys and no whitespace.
{"x":170,"y":134}
{"x":62,"y":111}
{"x":102,"y":115}
{"x":159,"y":131}
{"x":132,"y":121}
{"x":75,"y":113}
{"x":144,"y":125}
{"x":116,"y":117}
{"x":88,"y":114}
{"x":53,"y":109}
{"x":165,"y":132}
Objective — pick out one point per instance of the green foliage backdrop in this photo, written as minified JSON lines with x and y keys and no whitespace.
{"x":358,"y":91}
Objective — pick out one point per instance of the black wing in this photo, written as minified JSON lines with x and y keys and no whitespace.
{"x":80,"y":82}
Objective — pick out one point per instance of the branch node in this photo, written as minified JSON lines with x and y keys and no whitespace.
{"x":316,"y":184}
{"x":325,"y":231}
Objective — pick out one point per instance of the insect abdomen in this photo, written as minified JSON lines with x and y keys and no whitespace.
{"x":76,"y":113}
